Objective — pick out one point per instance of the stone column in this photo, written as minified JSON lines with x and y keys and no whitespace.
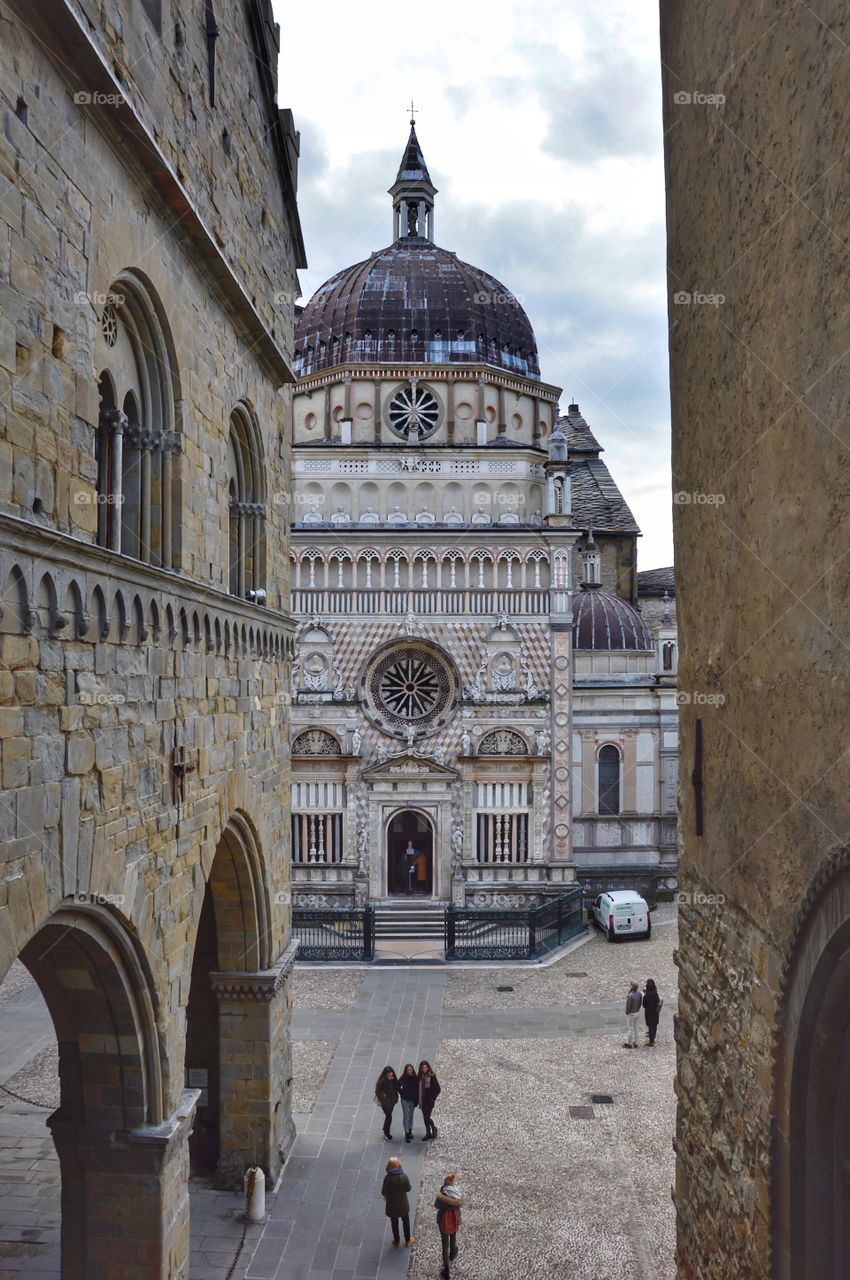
{"x":165,"y":499}
{"x":116,"y":421}
{"x":326,"y":412}
{"x":125,"y":1199}
{"x":450,"y":409}
{"x":503,"y":424}
{"x":255,"y":1070}
{"x":376,"y":416}
{"x":145,"y":500}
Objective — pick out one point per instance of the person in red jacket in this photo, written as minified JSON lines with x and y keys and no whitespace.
{"x":448,"y":1204}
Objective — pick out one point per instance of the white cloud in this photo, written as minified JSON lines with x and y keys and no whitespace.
{"x":541,"y":124}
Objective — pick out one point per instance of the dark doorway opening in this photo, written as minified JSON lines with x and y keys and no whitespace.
{"x":202,"y":1045}
{"x":410,"y":856}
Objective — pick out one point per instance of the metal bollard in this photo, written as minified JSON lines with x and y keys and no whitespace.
{"x":255,"y":1195}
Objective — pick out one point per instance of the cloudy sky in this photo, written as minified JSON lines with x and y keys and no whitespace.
{"x":540,"y":121}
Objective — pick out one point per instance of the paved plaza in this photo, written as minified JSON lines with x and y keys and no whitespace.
{"x":553,"y":1180}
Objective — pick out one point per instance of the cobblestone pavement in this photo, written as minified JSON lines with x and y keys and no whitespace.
{"x":550,"y":1190}
{"x":310,"y":1062}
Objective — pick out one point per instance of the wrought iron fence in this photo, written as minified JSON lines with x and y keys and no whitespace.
{"x":334,"y":933}
{"x":517,"y":934}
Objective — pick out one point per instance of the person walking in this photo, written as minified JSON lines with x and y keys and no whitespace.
{"x":429,"y":1089}
{"x":652,"y":1003}
{"x":448,"y":1204}
{"x":395,"y":1190}
{"x":408,"y":1087}
{"x":633,"y":1004}
{"x":386,"y":1096}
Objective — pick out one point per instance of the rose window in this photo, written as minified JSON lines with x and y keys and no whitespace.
{"x":414,"y":413}
{"x":408,"y":689}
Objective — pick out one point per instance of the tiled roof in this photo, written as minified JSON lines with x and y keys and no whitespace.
{"x":656,"y":582}
{"x":596,"y":499}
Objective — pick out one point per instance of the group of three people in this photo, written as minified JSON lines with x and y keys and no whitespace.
{"x":413,"y":1089}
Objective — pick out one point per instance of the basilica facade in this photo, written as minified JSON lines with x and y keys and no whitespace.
{"x":444,"y":554}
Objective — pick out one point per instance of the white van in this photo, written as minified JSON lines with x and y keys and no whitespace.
{"x":622,"y":913}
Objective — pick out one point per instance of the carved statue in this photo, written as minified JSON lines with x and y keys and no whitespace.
{"x":466,"y":743}
{"x":412,"y":219}
{"x":339,"y":687}
{"x":542,"y":739}
{"x":356,"y":742}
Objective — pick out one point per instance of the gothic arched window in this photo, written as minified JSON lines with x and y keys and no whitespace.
{"x":136,"y":436}
{"x":608,"y":789}
{"x":246,"y":507}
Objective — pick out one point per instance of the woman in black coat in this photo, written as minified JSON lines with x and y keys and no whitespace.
{"x":386,"y":1095}
{"x":429,"y":1089}
{"x":408,"y":1088}
{"x":652,"y":1003}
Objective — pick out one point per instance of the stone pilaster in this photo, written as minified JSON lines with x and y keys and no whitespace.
{"x":255,"y":1063}
{"x":133,"y":1187}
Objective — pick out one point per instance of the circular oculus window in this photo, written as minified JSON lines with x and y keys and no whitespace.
{"x":414,"y":413}
{"x":409,"y":688}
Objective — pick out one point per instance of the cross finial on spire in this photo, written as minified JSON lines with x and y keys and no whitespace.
{"x":412,"y":113}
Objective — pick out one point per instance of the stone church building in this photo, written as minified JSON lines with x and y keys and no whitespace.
{"x":149,"y":242}
{"x":480,"y":713}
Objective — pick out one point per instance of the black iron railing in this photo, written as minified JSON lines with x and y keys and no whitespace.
{"x":520,"y":934}
{"x":334,"y":933}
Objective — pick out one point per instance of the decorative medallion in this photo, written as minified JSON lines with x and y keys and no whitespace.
{"x":409,"y":690}
{"x":315,"y":742}
{"x":502,"y":742}
{"x":109,"y":325}
{"x":414,"y":412}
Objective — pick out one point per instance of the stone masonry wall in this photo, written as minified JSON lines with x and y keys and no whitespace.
{"x":757,"y":113}
{"x":108,"y":664}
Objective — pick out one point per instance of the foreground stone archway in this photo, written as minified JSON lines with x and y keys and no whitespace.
{"x":122,"y":1159}
{"x":811,"y":1143}
{"x":237,"y":1047}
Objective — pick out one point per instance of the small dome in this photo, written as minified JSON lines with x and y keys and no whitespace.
{"x":602,"y":621}
{"x":414,"y":303}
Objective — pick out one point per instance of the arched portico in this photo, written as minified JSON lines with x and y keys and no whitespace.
{"x":121,"y":1156}
{"x":237,"y":1050}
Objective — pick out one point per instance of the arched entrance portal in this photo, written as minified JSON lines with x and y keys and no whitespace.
{"x":410,"y":855}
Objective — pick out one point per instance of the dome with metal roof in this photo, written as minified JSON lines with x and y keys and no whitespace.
{"x":603,"y":622}
{"x":414,"y":302}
